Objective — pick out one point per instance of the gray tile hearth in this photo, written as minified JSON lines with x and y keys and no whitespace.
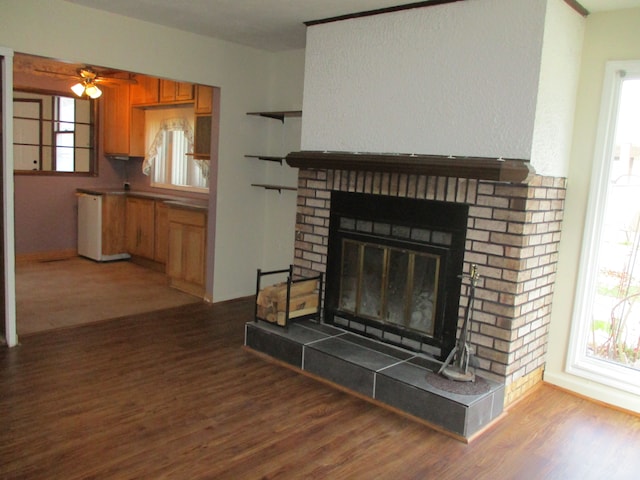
{"x":399,"y":378}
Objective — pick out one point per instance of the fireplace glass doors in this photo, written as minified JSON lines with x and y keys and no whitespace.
{"x":394,"y":269}
{"x":392,"y":285}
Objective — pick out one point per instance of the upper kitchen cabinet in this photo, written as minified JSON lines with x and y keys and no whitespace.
{"x":123,"y":126}
{"x":145,"y":91}
{"x":204,"y":100}
{"x":203,"y":122}
{"x":175,"y":92}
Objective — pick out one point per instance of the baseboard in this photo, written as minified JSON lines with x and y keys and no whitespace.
{"x":46,"y":256}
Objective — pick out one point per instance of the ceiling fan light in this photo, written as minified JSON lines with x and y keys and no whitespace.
{"x":78,"y":89}
{"x":93,"y":91}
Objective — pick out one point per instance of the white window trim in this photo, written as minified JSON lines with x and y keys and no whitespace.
{"x":578,"y":363}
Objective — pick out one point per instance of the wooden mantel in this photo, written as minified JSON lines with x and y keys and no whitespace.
{"x":496,"y":169}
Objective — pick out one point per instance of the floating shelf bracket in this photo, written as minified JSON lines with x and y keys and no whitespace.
{"x":281,"y":115}
{"x":279,"y":188}
{"x":268,"y":158}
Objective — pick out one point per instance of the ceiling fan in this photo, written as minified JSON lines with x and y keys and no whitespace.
{"x":87,"y":78}
{"x":87,"y":85}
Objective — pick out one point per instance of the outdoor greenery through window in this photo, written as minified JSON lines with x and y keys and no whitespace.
{"x":615,"y":325}
{"x":605,"y":344}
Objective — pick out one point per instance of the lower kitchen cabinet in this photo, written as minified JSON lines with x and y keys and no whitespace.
{"x":161,"y":250}
{"x":140,"y":227}
{"x":187,"y":249}
{"x":113,"y":226}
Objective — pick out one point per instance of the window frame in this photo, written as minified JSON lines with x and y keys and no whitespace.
{"x":93,"y":136}
{"x":578,"y":362}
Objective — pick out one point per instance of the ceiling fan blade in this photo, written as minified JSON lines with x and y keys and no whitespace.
{"x":115,"y":80}
{"x":57,"y":74}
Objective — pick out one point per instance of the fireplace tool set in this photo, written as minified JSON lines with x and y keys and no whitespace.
{"x":456,"y":366}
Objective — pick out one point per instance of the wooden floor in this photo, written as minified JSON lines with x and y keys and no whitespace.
{"x":174,"y":395}
{"x":76,"y":290}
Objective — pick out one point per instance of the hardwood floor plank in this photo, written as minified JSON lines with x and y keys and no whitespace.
{"x":172,"y":394}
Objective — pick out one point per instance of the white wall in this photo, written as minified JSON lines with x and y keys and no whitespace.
{"x":608,"y":36}
{"x":280,"y":208}
{"x":557,"y":87}
{"x":58,"y":29}
{"x":455,"y":79}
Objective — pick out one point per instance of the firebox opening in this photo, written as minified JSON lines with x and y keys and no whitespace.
{"x":394,"y":267}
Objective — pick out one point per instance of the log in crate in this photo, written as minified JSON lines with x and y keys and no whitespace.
{"x":283,"y":302}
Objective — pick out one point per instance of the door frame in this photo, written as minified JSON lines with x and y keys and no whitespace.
{"x":8,"y":242}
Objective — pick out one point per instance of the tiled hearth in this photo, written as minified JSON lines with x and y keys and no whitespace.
{"x":398,"y":378}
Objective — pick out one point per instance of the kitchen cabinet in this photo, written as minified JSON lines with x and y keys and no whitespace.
{"x":145,"y":91}
{"x":175,"y":92}
{"x":113,"y":226}
{"x":123,"y":126}
{"x":203,"y":122}
{"x":140,"y":227}
{"x":161,"y":248}
{"x":204,"y":100}
{"x":187,"y":249}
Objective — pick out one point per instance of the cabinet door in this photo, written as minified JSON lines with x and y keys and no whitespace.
{"x":161,"y":250}
{"x":167,"y":91}
{"x":145,"y":91}
{"x":113,"y":224}
{"x":140,"y":227}
{"x":176,"y":246}
{"x":187,"y":250}
{"x":202,"y":135}
{"x":204,"y":100}
{"x":184,"y":91}
{"x":193,"y":254}
{"x":172,"y":91}
{"x":116,"y":126}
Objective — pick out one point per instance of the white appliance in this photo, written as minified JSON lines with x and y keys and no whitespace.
{"x":90,"y":228}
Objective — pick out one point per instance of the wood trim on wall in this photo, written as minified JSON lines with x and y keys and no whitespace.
{"x":577,"y":7}
{"x":379,"y":11}
{"x":51,"y":256}
{"x":428,"y":3}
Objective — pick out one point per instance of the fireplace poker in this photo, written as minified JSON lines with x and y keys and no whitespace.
{"x":459,"y":370}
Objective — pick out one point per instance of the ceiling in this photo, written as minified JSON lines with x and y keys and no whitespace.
{"x":275,"y":25}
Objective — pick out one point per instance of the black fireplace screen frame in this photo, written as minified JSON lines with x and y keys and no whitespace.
{"x":433,"y":227}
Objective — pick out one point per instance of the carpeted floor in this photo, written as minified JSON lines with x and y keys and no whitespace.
{"x":75,"y":291}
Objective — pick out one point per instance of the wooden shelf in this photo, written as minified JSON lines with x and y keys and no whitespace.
{"x":199,"y":156}
{"x":497,"y":169}
{"x":279,"y":188}
{"x":279,"y":115}
{"x":268,"y":158}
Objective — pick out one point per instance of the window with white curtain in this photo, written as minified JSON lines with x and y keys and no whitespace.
{"x":169,"y":138}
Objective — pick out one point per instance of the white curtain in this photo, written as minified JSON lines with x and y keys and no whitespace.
{"x":167,"y":125}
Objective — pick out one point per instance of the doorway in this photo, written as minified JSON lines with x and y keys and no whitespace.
{"x":54,"y":287}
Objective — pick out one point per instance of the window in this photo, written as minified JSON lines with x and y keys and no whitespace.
{"x":64,"y":134}
{"x":605,"y":340}
{"x":169,"y":160}
{"x":53,"y":134}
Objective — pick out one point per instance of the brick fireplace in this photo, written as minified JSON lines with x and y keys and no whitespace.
{"x":513,"y":231}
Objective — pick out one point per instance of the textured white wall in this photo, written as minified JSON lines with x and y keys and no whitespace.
{"x":456,"y":79}
{"x":557,"y":90}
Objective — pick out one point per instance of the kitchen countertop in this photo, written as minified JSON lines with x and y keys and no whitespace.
{"x":171,"y":200}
